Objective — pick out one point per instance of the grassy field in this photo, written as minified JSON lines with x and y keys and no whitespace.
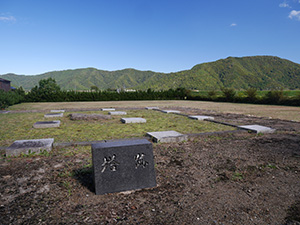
{"x":274,"y":111}
{"x":18,"y":126}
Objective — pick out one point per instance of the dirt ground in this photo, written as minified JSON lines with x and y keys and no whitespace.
{"x":239,"y":178}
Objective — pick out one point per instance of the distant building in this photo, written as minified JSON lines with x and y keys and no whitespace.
{"x":5,"y":85}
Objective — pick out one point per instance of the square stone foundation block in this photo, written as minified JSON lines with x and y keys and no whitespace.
{"x":26,"y":146}
{"x":46,"y":124}
{"x":151,"y":108}
{"x":133,"y":120}
{"x":108,"y":109}
{"x":50,"y":115}
{"x":123,"y":166}
{"x":170,"y":111}
{"x":57,"y":110}
{"x":201,"y":117}
{"x":257,"y":128}
{"x":167,"y":136}
{"x":116,"y":113}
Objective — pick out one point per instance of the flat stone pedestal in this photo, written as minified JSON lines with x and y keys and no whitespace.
{"x":116,"y":113}
{"x":257,"y":128}
{"x":167,"y":136}
{"x":170,"y":111}
{"x":57,"y":110}
{"x":201,"y":117}
{"x":26,"y":146}
{"x":123,"y":166}
{"x":133,"y":120}
{"x":50,"y":115}
{"x":151,"y":108}
{"x":46,"y":124}
{"x":108,"y":109}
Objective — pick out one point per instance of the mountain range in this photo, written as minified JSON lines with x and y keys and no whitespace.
{"x":261,"y":72}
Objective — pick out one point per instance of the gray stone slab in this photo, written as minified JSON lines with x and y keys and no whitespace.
{"x":202,"y":117}
{"x":50,"y":115}
{"x":151,"y":108}
{"x":133,"y":120}
{"x":123,"y":166}
{"x":116,"y":113}
{"x":57,"y":110}
{"x":258,"y":128}
{"x":108,"y":109}
{"x":46,"y":124}
{"x":167,"y":136}
{"x":170,"y":111}
{"x":29,"y":146}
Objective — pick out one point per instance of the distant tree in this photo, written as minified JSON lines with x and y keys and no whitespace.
{"x":47,"y":90}
{"x":94,"y":88}
{"x":229,"y":94}
{"x":251,"y":94}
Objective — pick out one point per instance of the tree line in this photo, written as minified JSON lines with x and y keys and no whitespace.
{"x":49,"y":91}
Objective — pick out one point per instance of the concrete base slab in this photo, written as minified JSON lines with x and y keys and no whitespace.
{"x":170,"y":111}
{"x":50,"y":115}
{"x":108,"y":109}
{"x":57,"y":110}
{"x":257,"y":128}
{"x":116,"y":113}
{"x":151,"y":108}
{"x":46,"y":124}
{"x":201,"y":117}
{"x":29,"y":146}
{"x":133,"y":120}
{"x":167,"y":136}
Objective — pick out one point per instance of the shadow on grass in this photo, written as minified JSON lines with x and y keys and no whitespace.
{"x":85,"y":177}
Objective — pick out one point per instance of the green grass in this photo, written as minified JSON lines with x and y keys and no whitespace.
{"x":18,"y":126}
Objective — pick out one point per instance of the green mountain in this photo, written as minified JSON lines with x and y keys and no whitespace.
{"x":262,"y":72}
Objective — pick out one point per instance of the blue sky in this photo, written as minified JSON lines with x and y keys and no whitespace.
{"x":38,"y":36}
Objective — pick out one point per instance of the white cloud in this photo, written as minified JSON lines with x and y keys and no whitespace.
{"x":233,"y":24}
{"x":294,"y":15}
{"x":284,"y":5}
{"x":7,"y":18}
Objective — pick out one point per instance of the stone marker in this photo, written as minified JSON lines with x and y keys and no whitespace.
{"x":26,"y":146}
{"x":257,"y":128}
{"x":115,"y":113}
{"x":151,"y":108}
{"x":202,"y":117}
{"x":108,"y":109}
{"x":123,"y":166}
{"x":133,"y":120}
{"x":167,"y":136}
{"x":46,"y":124}
{"x":57,"y":110}
{"x":49,"y":115}
{"x":170,"y":111}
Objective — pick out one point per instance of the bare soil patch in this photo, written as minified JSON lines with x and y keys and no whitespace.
{"x":239,"y":178}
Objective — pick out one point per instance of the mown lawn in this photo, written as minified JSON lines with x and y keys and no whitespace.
{"x":18,"y":126}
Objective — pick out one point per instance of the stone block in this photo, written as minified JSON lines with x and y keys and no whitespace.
{"x":133,"y":120}
{"x":201,"y":117}
{"x":167,"y":136}
{"x":170,"y":111}
{"x":123,"y":166}
{"x":57,"y":110}
{"x":108,"y":109}
{"x":151,"y":108}
{"x":257,"y":128}
{"x":116,"y":113}
{"x":29,"y":146}
{"x":50,"y":115}
{"x":46,"y":124}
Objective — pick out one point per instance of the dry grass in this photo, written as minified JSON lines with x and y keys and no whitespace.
{"x":279,"y":112}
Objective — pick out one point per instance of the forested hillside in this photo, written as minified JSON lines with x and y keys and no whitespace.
{"x":261,"y":72}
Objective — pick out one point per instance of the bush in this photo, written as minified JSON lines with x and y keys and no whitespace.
{"x":8,"y":98}
{"x":229,"y":94}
